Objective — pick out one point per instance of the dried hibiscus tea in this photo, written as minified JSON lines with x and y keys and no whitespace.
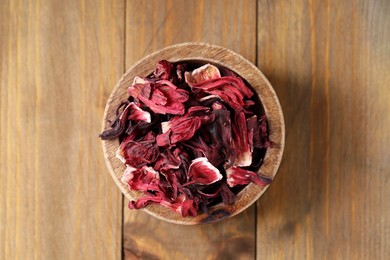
{"x":191,"y":135}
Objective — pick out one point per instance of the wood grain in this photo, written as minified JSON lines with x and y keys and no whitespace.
{"x":230,"y":24}
{"x":59,"y":60}
{"x":328,"y":62}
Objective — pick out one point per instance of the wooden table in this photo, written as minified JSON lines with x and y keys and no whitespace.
{"x":328,"y":61}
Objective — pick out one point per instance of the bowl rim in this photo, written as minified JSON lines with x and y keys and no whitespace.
{"x":224,"y":57}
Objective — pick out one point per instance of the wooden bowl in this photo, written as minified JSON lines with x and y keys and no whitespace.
{"x":222,"y":57}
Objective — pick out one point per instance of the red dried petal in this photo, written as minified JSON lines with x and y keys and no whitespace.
{"x":164,"y":139}
{"x":185,"y":164}
{"x":197,"y":146}
{"x":221,"y":130}
{"x":144,"y":201}
{"x":183,"y":205}
{"x":163,"y":69}
{"x":249,"y":103}
{"x":198,"y":111}
{"x":229,"y":88}
{"x":172,"y":179}
{"x":258,"y":133}
{"x":180,"y":72}
{"x":119,"y":125}
{"x":167,"y":161}
{"x":241,"y":145}
{"x":214,"y":152}
{"x":157,"y":98}
{"x":227,"y":195}
{"x":161,"y":96}
{"x":253,"y":132}
{"x":171,"y":91}
{"x":238,"y":176}
{"x":138,"y":129}
{"x":230,"y":95}
{"x":188,"y":208}
{"x":209,"y":194}
{"x":139,"y":153}
{"x":143,"y":179}
{"x":216,"y":147}
{"x":265,"y":142}
{"x":182,"y":128}
{"x":202,"y":172}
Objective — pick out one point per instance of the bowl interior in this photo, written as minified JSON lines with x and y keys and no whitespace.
{"x":202,"y":53}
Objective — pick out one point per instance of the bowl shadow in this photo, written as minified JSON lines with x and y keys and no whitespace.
{"x":297,"y":193}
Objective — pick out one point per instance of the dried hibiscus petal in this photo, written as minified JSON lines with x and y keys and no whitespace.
{"x":160,"y":96}
{"x":230,"y":89}
{"x":264,"y":140}
{"x":173,"y":181}
{"x":163,"y":70}
{"x":213,"y":151}
{"x":238,"y":176}
{"x":137,"y":114}
{"x":183,"y":205}
{"x":227,"y":195}
{"x":188,"y":208}
{"x":202,"y":172}
{"x":167,"y":161}
{"x":201,"y":74}
{"x":141,"y":152}
{"x":143,"y":201}
{"x":182,"y":128}
{"x":221,"y":130}
{"x":143,"y":179}
{"x":241,"y":144}
{"x":180,"y":70}
{"x":258,"y":132}
{"x":118,"y":127}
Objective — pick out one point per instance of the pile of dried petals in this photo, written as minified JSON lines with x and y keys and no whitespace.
{"x":189,"y":137}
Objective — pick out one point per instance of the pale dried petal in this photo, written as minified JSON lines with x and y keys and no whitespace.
{"x":201,"y":74}
{"x":202,"y":172}
{"x":136,"y":113}
{"x":128,"y":174}
{"x":165,"y":126}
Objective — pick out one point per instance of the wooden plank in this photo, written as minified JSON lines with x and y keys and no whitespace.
{"x":152,"y":25}
{"x":328,"y":61}
{"x":59,"y":61}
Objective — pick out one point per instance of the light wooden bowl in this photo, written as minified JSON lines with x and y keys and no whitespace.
{"x":219,"y":56}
